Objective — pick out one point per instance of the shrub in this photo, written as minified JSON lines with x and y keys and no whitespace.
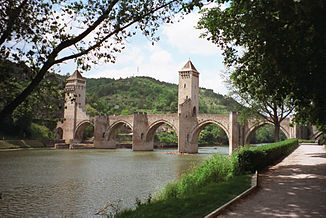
{"x":40,"y":132}
{"x":258,"y":158}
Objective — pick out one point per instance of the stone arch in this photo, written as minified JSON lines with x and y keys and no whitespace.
{"x":153,"y":127}
{"x":255,"y":127}
{"x":111,"y":132}
{"x":59,"y":133}
{"x":78,"y":136}
{"x":193,"y":139}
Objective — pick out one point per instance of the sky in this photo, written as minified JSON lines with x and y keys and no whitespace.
{"x":178,"y":43}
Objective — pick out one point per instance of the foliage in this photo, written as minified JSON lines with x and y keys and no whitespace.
{"x":166,"y":137}
{"x":88,"y":132}
{"x":265,"y":134}
{"x":307,"y":141}
{"x":40,"y":132}
{"x":110,"y":96}
{"x":198,"y":204}
{"x":217,"y":168}
{"x":212,"y":134}
{"x":250,"y":159}
{"x":275,"y":51}
{"x":46,"y":34}
{"x":248,"y":57}
{"x":45,"y":103}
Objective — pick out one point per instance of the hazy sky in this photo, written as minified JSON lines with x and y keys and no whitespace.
{"x":178,"y":42}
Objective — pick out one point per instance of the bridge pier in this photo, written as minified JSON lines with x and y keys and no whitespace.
{"x":100,"y":126}
{"x":234,"y":132}
{"x":140,"y":142}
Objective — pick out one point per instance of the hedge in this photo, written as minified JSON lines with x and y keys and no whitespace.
{"x":250,"y":159}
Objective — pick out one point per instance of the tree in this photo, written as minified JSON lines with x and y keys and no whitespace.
{"x":275,"y":48}
{"x":261,"y":106}
{"x":42,"y":104}
{"x":45,"y":34}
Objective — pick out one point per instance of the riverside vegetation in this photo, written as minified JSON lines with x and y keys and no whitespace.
{"x":216,"y":181}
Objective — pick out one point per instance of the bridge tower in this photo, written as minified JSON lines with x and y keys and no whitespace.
{"x":74,"y":112}
{"x":188,"y":101}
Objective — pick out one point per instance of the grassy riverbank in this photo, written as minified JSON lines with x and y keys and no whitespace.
{"x":14,"y":144}
{"x":201,"y":202}
{"x":213,"y":183}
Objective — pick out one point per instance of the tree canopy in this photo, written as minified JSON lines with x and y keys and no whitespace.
{"x":274,"y":49}
{"x":44,"y":34}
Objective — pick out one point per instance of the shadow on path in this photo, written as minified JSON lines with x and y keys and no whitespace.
{"x":296,"y":187}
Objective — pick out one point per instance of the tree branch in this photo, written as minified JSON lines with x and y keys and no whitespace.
{"x":13,"y":16}
{"x":98,"y":44}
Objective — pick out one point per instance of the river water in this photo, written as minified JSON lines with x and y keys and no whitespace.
{"x":59,"y":183}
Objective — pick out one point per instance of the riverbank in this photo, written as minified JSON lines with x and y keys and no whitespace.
{"x":25,"y":144}
{"x":186,"y":197}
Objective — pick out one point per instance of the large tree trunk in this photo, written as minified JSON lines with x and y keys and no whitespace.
{"x":277,"y":132}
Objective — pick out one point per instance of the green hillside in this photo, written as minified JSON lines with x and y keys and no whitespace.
{"x":125,"y":96}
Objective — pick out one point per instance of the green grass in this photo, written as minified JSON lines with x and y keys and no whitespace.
{"x":197,"y":204}
{"x":12,"y":144}
{"x":215,"y":169}
{"x":307,"y":141}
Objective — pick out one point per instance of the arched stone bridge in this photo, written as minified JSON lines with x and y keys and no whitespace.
{"x":187,"y":123}
{"x":143,"y":127}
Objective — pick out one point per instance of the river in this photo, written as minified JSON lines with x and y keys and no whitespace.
{"x":59,"y":183}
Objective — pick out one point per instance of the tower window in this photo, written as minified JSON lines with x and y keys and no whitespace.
{"x":194,"y":111}
{"x":184,"y":86}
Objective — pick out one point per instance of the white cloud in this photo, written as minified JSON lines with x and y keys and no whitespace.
{"x":152,"y":61}
{"x":184,"y":36}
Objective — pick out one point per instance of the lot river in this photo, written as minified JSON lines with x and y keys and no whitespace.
{"x":59,"y":183}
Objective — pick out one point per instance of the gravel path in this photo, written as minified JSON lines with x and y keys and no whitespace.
{"x":296,"y":187}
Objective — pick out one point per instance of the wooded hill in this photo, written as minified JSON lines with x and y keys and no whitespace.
{"x":125,"y":96}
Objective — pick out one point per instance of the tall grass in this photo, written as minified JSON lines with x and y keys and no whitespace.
{"x":217,"y":168}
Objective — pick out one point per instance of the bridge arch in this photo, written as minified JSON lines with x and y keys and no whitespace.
{"x":153,"y":127}
{"x":111,"y":131}
{"x":193,"y":139}
{"x":253,"y":128}
{"x":59,"y":133}
{"x":80,"y":128}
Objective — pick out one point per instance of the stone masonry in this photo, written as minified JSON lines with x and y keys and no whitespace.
{"x":187,"y":123}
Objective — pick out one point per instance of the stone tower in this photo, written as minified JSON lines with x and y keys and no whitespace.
{"x":188,"y":102}
{"x":74,"y":111}
{"x":189,"y":86}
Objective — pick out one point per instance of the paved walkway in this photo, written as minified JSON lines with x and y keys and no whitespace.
{"x":296,"y":187}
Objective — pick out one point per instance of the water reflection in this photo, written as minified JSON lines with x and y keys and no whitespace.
{"x":79,"y":182}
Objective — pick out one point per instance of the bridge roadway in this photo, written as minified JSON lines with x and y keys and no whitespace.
{"x":296,"y":187}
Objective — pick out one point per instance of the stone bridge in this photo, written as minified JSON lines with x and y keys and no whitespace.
{"x":187,"y":123}
{"x":143,"y":127}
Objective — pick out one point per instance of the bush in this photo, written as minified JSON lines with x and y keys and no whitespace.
{"x":40,"y":132}
{"x":258,"y":158}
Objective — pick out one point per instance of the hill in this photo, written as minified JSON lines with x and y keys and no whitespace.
{"x":125,"y":96}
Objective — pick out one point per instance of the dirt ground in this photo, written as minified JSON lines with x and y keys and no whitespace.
{"x":296,"y":187}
